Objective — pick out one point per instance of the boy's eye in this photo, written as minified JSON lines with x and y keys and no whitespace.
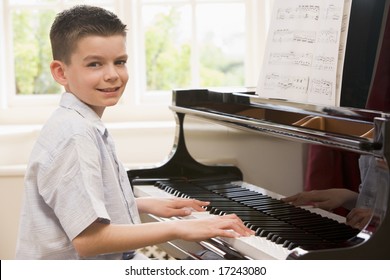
{"x":121,"y":62}
{"x":93,"y":64}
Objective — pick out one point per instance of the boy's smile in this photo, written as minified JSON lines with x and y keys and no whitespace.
{"x":97,"y":72}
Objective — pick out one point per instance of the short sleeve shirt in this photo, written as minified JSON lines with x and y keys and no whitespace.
{"x":73,"y":179}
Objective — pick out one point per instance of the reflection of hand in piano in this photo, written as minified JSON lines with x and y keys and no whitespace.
{"x":331,"y":199}
{"x":328,"y":199}
{"x":360,"y":217}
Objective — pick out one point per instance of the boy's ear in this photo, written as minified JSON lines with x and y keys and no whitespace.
{"x":57,"y":69}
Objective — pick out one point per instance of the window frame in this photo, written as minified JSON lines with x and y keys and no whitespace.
{"x":136,"y":104}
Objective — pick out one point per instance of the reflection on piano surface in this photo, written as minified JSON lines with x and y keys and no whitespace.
{"x":283,"y":231}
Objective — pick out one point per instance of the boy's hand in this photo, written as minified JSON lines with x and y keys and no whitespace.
{"x":169,"y":207}
{"x":229,"y":226}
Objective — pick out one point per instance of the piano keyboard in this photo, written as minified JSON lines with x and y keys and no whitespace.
{"x":280,"y":227}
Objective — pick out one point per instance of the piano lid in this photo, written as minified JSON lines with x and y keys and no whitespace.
{"x":347,"y":128}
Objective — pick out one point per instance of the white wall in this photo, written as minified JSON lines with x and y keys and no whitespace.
{"x":271,"y":163}
{"x":11,"y":182}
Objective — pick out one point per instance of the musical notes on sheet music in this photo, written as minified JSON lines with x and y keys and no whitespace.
{"x":328,"y":36}
{"x":305,"y":51}
{"x":286,"y":35}
{"x":324,"y":36}
{"x":299,"y":85}
{"x":300,"y":12}
{"x":324,"y":63}
{"x":319,"y":62}
{"x":333,"y":12}
{"x":291,"y":58}
{"x":321,"y":87}
{"x":309,"y":12}
{"x":294,"y":84}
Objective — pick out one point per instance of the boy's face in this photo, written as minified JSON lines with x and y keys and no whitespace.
{"x":97,"y":73}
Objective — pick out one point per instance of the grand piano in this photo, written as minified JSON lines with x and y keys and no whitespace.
{"x":282,"y":231}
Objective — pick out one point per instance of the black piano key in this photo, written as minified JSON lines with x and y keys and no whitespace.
{"x":236,"y":192}
{"x":216,"y":211}
{"x":309,"y":245}
{"x":268,"y":226}
{"x":294,"y":216}
{"x":253,"y":197}
{"x":292,"y":235}
{"x":227,"y":191}
{"x":259,"y":219}
{"x":282,"y":212}
{"x":215,"y":187}
{"x":264,"y":231}
{"x":227,"y":203}
{"x":253,"y":200}
{"x":265,"y":204}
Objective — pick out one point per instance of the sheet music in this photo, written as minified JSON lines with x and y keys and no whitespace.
{"x":305,"y":50}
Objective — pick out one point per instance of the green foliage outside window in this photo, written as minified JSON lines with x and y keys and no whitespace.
{"x":32,"y":53}
{"x":168,"y":65}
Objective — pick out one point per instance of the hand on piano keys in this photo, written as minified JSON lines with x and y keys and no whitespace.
{"x":229,"y":226}
{"x":170,"y":207}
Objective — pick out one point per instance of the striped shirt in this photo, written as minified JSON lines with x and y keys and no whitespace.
{"x":73,"y":179}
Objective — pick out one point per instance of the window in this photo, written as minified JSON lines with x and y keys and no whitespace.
{"x":31,"y":51}
{"x":171,"y":44}
{"x":201,"y":48}
{"x":205,"y":43}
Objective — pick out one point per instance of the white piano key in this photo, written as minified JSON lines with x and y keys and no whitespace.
{"x":150,"y":190}
{"x":258,"y":248}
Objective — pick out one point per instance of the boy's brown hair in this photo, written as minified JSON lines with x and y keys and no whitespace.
{"x":75,"y":23}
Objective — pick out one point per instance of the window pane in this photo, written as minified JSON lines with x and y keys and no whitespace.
{"x":90,"y":2}
{"x":221,"y":35}
{"x":167,"y":46}
{"x":18,"y":2}
{"x":73,"y":2}
{"x":32,"y":53}
{"x":170,"y":45}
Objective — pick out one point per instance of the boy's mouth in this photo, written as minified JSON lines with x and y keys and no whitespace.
{"x":109,"y":89}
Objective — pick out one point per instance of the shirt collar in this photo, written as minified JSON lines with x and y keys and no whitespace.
{"x":70,"y":101}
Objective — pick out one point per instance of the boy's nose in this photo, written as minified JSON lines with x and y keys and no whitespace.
{"x":111,"y":74}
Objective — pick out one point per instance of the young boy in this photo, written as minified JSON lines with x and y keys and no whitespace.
{"x":78,"y":201}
